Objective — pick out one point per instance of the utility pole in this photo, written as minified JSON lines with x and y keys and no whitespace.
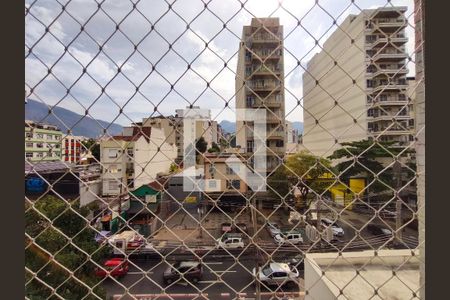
{"x":258,"y":253}
{"x":398,"y":204}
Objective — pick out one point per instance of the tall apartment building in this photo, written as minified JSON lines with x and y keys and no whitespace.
{"x":356,"y":87}
{"x":260,"y":84}
{"x":42,"y":142}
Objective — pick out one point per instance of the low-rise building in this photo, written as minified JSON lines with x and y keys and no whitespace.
{"x":134,"y":158}
{"x":42,"y":142}
{"x":225,"y":178}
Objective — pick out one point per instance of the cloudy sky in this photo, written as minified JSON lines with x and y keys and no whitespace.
{"x":148,"y":67}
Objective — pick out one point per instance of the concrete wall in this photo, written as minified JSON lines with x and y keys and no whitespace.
{"x":91,"y":192}
{"x":148,"y":157}
{"x":336,"y":122}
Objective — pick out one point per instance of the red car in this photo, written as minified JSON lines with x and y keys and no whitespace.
{"x":116,"y":267}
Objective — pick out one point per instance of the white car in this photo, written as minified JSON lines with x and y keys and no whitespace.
{"x":288,"y":238}
{"x":231,"y":241}
{"x":277,"y":274}
{"x":337,"y":231}
{"x":273,"y":228}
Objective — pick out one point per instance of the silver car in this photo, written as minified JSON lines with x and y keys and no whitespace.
{"x":274,"y":229}
{"x":277,"y":274}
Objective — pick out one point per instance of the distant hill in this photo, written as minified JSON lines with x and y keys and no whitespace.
{"x":298,"y":126}
{"x":88,"y":127}
{"x":231,"y":126}
{"x":228,"y":126}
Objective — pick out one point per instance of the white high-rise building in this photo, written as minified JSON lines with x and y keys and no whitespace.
{"x":356,"y":87}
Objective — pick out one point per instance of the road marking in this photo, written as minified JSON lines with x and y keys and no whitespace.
{"x":226,"y":271}
{"x":213,"y":263}
{"x":139,"y":273}
{"x":208,"y":281}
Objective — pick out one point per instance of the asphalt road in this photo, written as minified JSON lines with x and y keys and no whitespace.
{"x":223,"y":278}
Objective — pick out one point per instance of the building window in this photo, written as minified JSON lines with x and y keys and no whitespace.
{"x":40,"y":145}
{"x":401,"y":97}
{"x":29,"y":154}
{"x":212,"y":184}
{"x":279,"y":143}
{"x":411,"y":122}
{"x":370,"y":112}
{"x":250,"y":146}
{"x":130,"y":152}
{"x":112,"y":153}
{"x":113,"y":185}
{"x":250,"y":101}
{"x":233,"y":184}
{"x":39,"y":136}
{"x":29,"y":145}
{"x":29,"y":135}
{"x":369,"y":83}
{"x":383,"y":97}
{"x":39,"y":154}
{"x":113,"y":169}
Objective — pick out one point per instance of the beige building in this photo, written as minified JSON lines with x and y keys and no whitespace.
{"x":394,"y":273}
{"x":356,"y":87}
{"x":260,"y":84}
{"x":225,"y":175}
{"x":134,"y":158}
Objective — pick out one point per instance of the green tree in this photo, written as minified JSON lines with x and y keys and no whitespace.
{"x":201,"y":145}
{"x":93,"y":146}
{"x":364,"y":158}
{"x":214,"y":148}
{"x":304,"y":171}
{"x":59,"y":228}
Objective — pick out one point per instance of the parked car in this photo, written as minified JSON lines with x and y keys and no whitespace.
{"x":387,"y":214}
{"x":337,"y":230}
{"x":187,"y":270}
{"x":116,"y":267}
{"x":277,"y":274}
{"x":288,"y":238}
{"x":241,"y":228}
{"x":274,"y":229}
{"x":378,"y":230}
{"x":226,"y":227}
{"x":230,"y":241}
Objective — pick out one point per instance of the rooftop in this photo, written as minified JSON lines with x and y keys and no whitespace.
{"x":375,"y":272}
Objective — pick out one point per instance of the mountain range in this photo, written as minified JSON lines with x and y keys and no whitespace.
{"x":64,"y":118}
{"x":230,"y":127}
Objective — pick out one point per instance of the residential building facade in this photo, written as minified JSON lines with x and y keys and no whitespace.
{"x":260,"y":84}
{"x":42,"y":142}
{"x":355,"y":88}
{"x":72,"y":148}
{"x":134,"y":158}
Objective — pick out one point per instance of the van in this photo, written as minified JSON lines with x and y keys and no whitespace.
{"x":288,"y":238}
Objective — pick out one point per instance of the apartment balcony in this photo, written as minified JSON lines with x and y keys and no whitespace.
{"x":268,"y":102}
{"x":394,"y":86}
{"x":274,"y":118}
{"x":267,"y":71}
{"x":265,"y":56}
{"x":389,"y":132}
{"x":390,"y":56}
{"x":275,"y":135}
{"x":387,"y":71}
{"x":272,"y":150}
{"x":266,"y":38}
{"x":388,"y":118}
{"x":389,"y":102}
{"x":387,"y":23}
{"x":265,"y":87}
{"x":397,"y":39}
